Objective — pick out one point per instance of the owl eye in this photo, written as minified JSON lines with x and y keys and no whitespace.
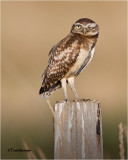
{"x":78,"y":27}
{"x":91,"y":28}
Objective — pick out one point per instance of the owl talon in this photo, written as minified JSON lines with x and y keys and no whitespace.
{"x":66,"y":100}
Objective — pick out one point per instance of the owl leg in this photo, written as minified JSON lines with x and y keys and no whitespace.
{"x":63,"y":84}
{"x":71,"y":83}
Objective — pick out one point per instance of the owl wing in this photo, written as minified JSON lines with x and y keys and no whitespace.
{"x":62,"y":57}
{"x":52,"y":50}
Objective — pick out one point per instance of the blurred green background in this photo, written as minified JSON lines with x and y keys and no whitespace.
{"x":29,"y":30}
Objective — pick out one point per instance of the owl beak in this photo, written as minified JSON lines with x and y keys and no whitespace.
{"x":84,"y":30}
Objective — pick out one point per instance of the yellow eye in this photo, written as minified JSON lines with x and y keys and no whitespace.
{"x":78,"y":27}
{"x":91,"y":28}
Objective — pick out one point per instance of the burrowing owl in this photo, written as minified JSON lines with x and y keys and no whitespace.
{"x":69,"y":57}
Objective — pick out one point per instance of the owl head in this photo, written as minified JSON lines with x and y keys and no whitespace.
{"x":85,"y":27}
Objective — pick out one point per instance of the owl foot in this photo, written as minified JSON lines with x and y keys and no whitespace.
{"x":57,"y":101}
{"x":65,"y":100}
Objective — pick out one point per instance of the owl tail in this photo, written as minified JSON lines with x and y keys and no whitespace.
{"x":46,"y":92}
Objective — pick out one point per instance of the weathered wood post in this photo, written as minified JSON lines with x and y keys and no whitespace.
{"x":78,"y":130}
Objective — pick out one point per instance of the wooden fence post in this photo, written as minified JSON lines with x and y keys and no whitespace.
{"x":78,"y":130}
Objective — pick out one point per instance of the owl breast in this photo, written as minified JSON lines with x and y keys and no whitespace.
{"x":84,"y":58}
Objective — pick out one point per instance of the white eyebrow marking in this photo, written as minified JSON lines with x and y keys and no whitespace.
{"x":89,"y":24}
{"x":92,"y":25}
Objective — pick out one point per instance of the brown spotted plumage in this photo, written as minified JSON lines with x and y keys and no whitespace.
{"x":69,"y":57}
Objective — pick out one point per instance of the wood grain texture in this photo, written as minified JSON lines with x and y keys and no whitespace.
{"x":78,"y":130}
